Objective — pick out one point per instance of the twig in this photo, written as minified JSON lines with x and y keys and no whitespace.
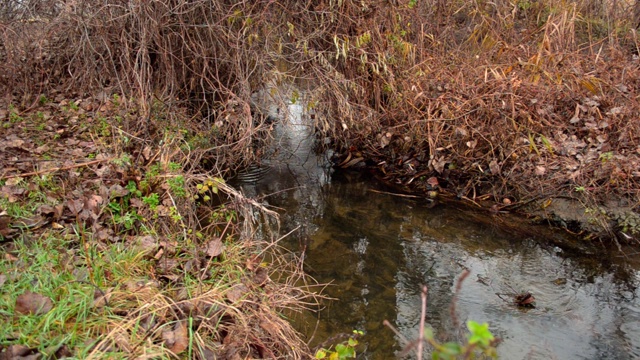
{"x":40,"y":172}
{"x":396,"y":194}
{"x":452,"y":309}
{"x":423,"y":315}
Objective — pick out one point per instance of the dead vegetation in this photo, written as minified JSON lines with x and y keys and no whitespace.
{"x":113,"y":246}
{"x":512,"y":104}
{"x":519,"y":103}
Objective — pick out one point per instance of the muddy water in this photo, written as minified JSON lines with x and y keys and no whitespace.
{"x":378,"y":250}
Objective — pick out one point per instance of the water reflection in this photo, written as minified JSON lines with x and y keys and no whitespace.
{"x":378,"y":250}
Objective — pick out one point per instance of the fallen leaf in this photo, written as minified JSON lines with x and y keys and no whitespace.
{"x":101,"y":298}
{"x":269,"y":328}
{"x":433,"y":182}
{"x":33,"y":303}
{"x":261,"y":276}
{"x":214,"y":248}
{"x":146,"y":152}
{"x":177,"y":340}
{"x":18,"y":352}
{"x":237,"y":292}
{"x":494,"y":167}
{"x":117,"y":191}
{"x":147,"y":243}
{"x":93,"y":203}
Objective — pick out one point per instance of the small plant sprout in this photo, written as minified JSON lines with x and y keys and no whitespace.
{"x":343,"y":350}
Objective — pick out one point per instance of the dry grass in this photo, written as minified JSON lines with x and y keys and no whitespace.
{"x":131,"y":263}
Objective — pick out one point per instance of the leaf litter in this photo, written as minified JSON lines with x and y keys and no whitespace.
{"x":66,"y":183}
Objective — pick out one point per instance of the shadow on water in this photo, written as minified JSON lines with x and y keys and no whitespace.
{"x":377,"y":250}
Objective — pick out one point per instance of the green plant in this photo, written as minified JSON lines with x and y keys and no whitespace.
{"x":606,"y":156}
{"x":153,"y":200}
{"x":104,"y":129}
{"x":133,"y":189}
{"x":128,"y":219}
{"x":173,"y":167}
{"x":209,"y":185}
{"x":343,"y":350}
{"x":123,"y":160}
{"x":176,"y":186}
{"x":43,"y":100}
{"x":14,"y":116}
{"x":480,"y":340}
{"x":223,"y":213}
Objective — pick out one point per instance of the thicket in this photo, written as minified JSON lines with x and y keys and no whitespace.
{"x":518,"y":102}
{"x":515,"y":101}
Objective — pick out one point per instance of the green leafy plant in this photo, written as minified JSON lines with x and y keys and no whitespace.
{"x":133,"y":189}
{"x":123,"y":160}
{"x":606,"y":156}
{"x":207,"y":186}
{"x":14,"y":116}
{"x":153,"y":200}
{"x":176,"y":186}
{"x":343,"y":350}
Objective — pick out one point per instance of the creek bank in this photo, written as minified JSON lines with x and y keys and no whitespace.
{"x":614,"y":220}
{"x":130,"y":244}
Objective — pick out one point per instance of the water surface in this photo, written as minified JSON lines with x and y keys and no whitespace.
{"x":378,"y":250}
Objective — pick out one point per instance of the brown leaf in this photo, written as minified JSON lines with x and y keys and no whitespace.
{"x":11,"y":192}
{"x":237,"y":292}
{"x":117,"y":191}
{"x":214,"y":248}
{"x":33,"y":303}
{"x":6,"y":231}
{"x":46,"y":210}
{"x":167,"y":266}
{"x":147,"y":243}
{"x":93,"y":203}
{"x":261,"y":276}
{"x":100,"y":298}
{"x":494,"y":167}
{"x":269,"y":328}
{"x":525,"y":299}
{"x":146,"y":152}
{"x":177,"y":340}
{"x":75,"y":206}
{"x":17,"y":352}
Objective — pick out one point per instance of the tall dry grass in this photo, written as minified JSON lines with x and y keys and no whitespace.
{"x":511,"y":99}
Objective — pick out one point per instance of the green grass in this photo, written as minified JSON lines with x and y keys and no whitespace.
{"x":71,"y":275}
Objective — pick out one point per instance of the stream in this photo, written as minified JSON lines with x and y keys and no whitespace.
{"x":377,"y":250}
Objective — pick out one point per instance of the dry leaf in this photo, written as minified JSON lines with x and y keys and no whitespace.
{"x":147,"y":243}
{"x":494,"y":167}
{"x":33,"y":303}
{"x":237,"y":292}
{"x":177,"y":340}
{"x":261,"y":276}
{"x":214,"y":248}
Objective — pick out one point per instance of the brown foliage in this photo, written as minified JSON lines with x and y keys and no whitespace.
{"x":514,"y":99}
